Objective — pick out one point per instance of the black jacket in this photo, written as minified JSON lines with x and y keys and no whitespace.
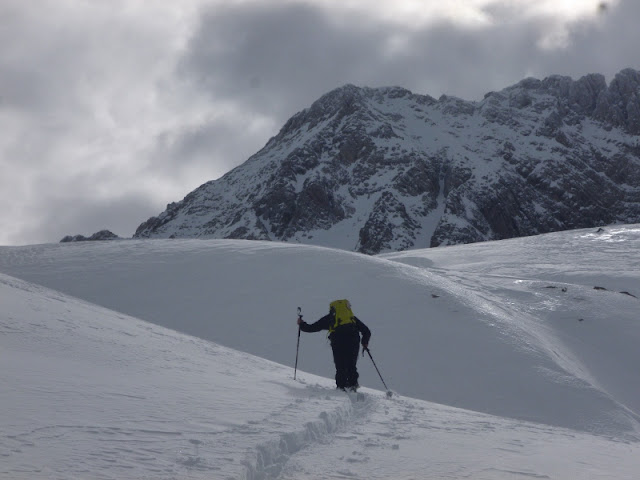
{"x":325,"y":322}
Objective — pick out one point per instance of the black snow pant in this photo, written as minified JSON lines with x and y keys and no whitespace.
{"x":345,"y":343}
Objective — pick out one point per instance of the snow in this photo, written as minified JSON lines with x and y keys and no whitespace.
{"x":91,"y":393}
{"x":504,"y":359}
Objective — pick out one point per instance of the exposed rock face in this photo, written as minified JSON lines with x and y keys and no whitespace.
{"x":619,"y":105}
{"x":101,"y":235}
{"x":384,"y":169}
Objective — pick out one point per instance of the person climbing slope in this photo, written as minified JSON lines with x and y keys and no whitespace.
{"x":344,"y":333}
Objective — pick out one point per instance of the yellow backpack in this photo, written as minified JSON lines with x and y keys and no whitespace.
{"x":342,"y":314}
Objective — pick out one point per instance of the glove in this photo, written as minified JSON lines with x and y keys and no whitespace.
{"x":299,"y":320}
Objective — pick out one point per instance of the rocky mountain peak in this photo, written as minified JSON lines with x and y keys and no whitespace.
{"x":378,"y":169}
{"x":619,"y":105}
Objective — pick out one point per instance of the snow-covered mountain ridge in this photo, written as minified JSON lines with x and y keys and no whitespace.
{"x":383,"y":169}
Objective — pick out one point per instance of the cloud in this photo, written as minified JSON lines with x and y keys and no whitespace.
{"x":270,"y":57}
{"x":605,"y":45}
{"x":276,"y":59}
{"x":81,"y":97}
{"x":229,"y":137}
{"x":140,"y":102}
{"x":72,"y":214}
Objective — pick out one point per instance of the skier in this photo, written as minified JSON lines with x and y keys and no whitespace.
{"x":344,"y":333}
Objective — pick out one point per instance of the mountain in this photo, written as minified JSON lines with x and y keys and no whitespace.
{"x":521,"y":367}
{"x":101,"y":235}
{"x":375,"y":170}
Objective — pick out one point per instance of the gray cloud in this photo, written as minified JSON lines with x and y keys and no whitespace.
{"x":279,"y":58}
{"x":605,"y":46}
{"x":273,"y":57}
{"x":72,"y":77}
{"x":227,"y":141}
{"x":110,"y":107}
{"x":72,"y":214}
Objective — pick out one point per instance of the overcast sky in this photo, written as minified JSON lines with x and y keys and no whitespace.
{"x":109,"y":110}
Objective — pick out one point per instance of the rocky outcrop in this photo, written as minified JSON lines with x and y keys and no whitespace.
{"x":384,"y":169}
{"x":619,"y":105}
{"x":101,"y":235}
{"x":389,"y":225}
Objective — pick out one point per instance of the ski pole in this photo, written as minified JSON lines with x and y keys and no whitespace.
{"x":374,"y":364}
{"x":298,"y":345}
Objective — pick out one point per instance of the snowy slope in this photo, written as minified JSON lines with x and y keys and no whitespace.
{"x":581,"y":287}
{"x":496,"y":340}
{"x":94,"y":394}
{"x":90,"y":393}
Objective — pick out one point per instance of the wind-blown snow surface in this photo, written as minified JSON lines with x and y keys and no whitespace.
{"x":512,"y":328}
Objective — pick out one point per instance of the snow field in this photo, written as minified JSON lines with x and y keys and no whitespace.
{"x":91,"y":393}
{"x":439,"y":335}
{"x":514,"y":331}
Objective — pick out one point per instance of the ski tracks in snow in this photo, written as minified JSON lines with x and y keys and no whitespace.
{"x":340,"y":421}
{"x":358,"y":430}
{"x":377,"y":433}
{"x":405,"y":439}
